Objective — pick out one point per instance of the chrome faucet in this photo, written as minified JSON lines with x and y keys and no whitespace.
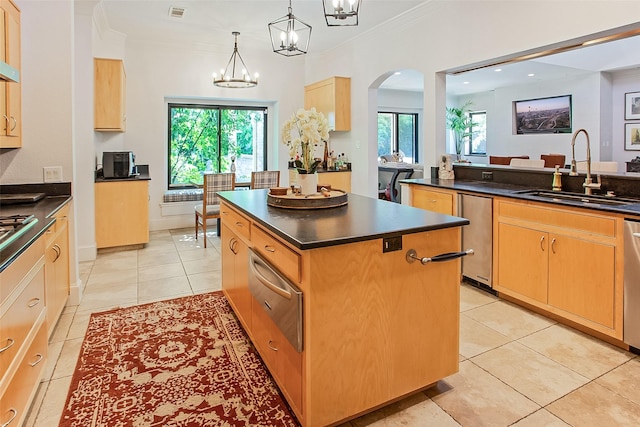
{"x":588,"y":183}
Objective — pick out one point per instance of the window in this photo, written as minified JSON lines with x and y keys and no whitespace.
{"x":398,"y":132}
{"x":209,"y":138}
{"x":478,"y":133}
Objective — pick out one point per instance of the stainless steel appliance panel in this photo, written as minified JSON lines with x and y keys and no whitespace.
{"x":278,"y":297}
{"x":632,"y":283}
{"x":477,"y":235}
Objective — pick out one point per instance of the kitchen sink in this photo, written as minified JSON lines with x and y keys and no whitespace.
{"x":580,"y":198}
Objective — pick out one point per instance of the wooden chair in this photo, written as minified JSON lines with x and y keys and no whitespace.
{"x":551,"y":160}
{"x":264,"y":179}
{"x":210,"y":207}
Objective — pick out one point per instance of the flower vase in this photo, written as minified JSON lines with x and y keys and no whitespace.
{"x":308,"y":183}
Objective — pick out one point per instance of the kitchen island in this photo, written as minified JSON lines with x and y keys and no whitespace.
{"x":374,"y":326}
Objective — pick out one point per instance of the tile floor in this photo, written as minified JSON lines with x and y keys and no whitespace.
{"x":516,"y":368}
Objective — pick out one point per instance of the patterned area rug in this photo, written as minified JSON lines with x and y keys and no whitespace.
{"x":183,"y":362}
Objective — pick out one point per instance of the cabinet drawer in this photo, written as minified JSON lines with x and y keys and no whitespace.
{"x":61,"y":218}
{"x":586,"y":222}
{"x":13,"y":274}
{"x":21,"y":389}
{"x":286,"y":261}
{"x":283,"y":361}
{"x":20,"y":317}
{"x":236,"y":222}
{"x":432,"y":200}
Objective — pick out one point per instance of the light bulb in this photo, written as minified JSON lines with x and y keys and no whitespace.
{"x":244,"y":72}
{"x":283,"y":36}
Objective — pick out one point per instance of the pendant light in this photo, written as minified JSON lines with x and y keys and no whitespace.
{"x":289,"y":35}
{"x":228,"y":76}
{"x":341,"y":13}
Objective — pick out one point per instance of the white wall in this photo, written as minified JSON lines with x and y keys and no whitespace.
{"x":429,"y":39}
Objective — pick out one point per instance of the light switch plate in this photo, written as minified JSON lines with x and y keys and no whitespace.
{"x":52,"y":174}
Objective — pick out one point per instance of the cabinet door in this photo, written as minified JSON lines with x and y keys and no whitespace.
{"x":10,"y":92}
{"x":57,"y":273}
{"x":435,"y":201}
{"x":122,"y":213}
{"x":332,"y":97}
{"x":523,"y":261}
{"x":235,"y":275}
{"x":110,"y":87}
{"x":582,"y":278}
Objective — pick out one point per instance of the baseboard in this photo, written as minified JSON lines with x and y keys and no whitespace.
{"x":87,"y":253}
{"x":75,"y":292}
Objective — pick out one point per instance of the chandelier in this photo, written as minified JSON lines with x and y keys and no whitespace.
{"x":341,"y":12}
{"x":228,"y":76}
{"x":289,"y":35}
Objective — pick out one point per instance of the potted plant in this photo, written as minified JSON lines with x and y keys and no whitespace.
{"x":302,"y":133}
{"x":459,"y":121}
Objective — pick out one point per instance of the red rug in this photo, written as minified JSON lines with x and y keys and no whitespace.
{"x":183,"y":362}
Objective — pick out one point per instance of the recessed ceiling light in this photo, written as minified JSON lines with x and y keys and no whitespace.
{"x":497,"y":70}
{"x":397,"y":73}
{"x":530,"y":75}
{"x":465,"y":83}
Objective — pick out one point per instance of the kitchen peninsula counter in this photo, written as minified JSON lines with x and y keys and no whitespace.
{"x":374,"y":326}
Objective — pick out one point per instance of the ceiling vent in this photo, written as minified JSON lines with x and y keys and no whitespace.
{"x":176,"y":12}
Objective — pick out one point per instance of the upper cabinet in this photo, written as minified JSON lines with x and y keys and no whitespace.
{"x":10,"y":92}
{"x":110,"y":87}
{"x":332,"y":97}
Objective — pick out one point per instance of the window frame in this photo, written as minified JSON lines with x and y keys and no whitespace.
{"x":469,"y":145}
{"x":220,"y":107}
{"x":396,"y":129}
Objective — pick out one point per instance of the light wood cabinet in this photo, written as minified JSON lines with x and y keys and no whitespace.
{"x":444,"y":202}
{"x":340,"y":180}
{"x":109,"y":95}
{"x":122,"y":213}
{"x":57,"y":267}
{"x":23,"y":333}
{"x":332,"y":97}
{"x":10,"y":92}
{"x":565,"y":261}
{"x":235,"y":275}
{"x":354,"y":320}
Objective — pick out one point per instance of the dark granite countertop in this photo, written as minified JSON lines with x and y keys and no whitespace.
{"x":518,"y":191}
{"x":58,"y":195}
{"x":361,"y":219}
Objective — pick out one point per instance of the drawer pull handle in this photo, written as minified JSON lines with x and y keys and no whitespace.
{"x":541,"y":243}
{"x":15,"y":123}
{"x":232,"y":246}
{"x":271,"y":346}
{"x":33,"y":302}
{"x":239,"y":224}
{"x":57,"y":250}
{"x":412,"y":256}
{"x":39,"y":359}
{"x":269,"y":248}
{"x":15,"y":414}
{"x":553,"y":245}
{"x":10,"y":342}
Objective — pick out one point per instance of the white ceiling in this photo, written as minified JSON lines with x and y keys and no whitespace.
{"x":210,"y":22}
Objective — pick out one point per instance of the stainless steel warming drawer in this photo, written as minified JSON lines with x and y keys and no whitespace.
{"x":279,"y":298}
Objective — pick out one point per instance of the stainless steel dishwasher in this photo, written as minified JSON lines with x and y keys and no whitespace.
{"x":632,"y":284}
{"x":477,"y":235}
{"x":279,"y":298}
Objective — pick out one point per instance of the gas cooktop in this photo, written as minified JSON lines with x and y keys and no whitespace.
{"x":14,"y":226}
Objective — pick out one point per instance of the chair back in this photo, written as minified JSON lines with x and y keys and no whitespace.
{"x":214,"y":182}
{"x":551,"y":160}
{"x":527,"y":163}
{"x":265,"y":179}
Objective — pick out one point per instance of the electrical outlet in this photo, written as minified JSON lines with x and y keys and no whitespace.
{"x":390,"y":244}
{"x":52,"y":173}
{"x":487,"y":176}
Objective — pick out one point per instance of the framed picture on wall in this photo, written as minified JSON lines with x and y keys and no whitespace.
{"x":543,"y":115}
{"x":632,"y":136}
{"x":632,"y":106}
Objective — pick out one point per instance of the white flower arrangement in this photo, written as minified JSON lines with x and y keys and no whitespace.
{"x":305,"y":130}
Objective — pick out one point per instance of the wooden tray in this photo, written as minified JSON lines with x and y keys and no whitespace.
{"x":311,"y":201}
